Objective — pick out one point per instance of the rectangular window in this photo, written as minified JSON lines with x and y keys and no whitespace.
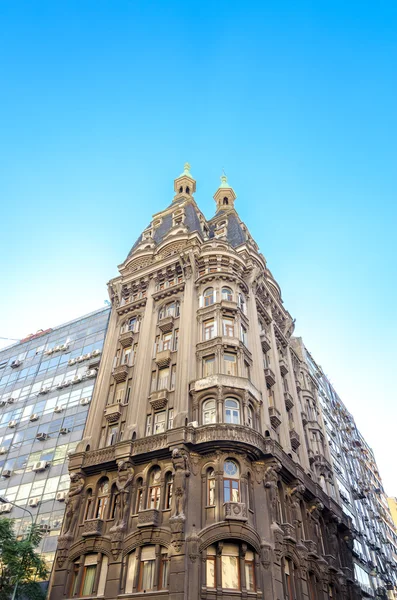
{"x":170,"y":418}
{"x":230,"y":363}
{"x":231,"y":490}
{"x":147,"y":575}
{"x":154,"y":497}
{"x":149,"y":425}
{"x":126,"y":356}
{"x":230,"y":572}
{"x":228,"y":327}
{"x":249,"y":571}
{"x":210,"y":568}
{"x":176,"y":339}
{"x":162,"y":383}
{"x":153,"y":382}
{"x":112,"y":435}
{"x":167,"y":341}
{"x":243,"y":334}
{"x":159,"y":422}
{"x":208,"y":366}
{"x":173,"y":376}
{"x":164,"y":568}
{"x":209,"y":329}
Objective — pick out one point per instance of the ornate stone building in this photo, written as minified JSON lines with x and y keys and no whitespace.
{"x":197,"y":476}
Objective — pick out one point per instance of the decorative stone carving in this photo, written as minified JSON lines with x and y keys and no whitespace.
{"x":97,"y":457}
{"x":163,"y":358}
{"x":113,"y":412}
{"x":236,"y":511}
{"x":270,"y":483}
{"x":266,"y":554}
{"x":148,"y":518}
{"x":126,"y":339}
{"x":120,"y":373}
{"x":123,"y":483}
{"x":294,"y":495}
{"x":92,"y":527}
{"x":181,"y":472}
{"x":73,"y":502}
{"x":289,"y":532}
{"x":193,"y":542}
{"x":158,"y":400}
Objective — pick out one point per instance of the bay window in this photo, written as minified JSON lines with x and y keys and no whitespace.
{"x":208,"y":366}
{"x":209,"y":412}
{"x":209,"y":296}
{"x":231,"y":481}
{"x":208,"y":329}
{"x":154,"y":489}
{"x":232,"y":411}
{"x":230,"y":363}
{"x":227,"y":294}
{"x":228,"y":327}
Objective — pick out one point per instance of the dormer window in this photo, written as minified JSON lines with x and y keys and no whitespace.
{"x":178,"y":217}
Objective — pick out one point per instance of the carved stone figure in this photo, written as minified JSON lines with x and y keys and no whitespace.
{"x":296,"y":516}
{"x":314,"y":514}
{"x":73,"y":502}
{"x":270,"y":482}
{"x":181,"y":471}
{"x":123,"y":484}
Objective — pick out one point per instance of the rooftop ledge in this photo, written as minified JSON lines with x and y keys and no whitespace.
{"x":227,"y":381}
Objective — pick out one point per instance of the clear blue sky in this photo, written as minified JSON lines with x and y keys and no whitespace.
{"x":103,"y":101}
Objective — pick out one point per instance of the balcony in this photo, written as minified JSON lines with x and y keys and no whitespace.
{"x":265,"y":341}
{"x":270,"y":377}
{"x":235,"y":511}
{"x":228,"y":306}
{"x":92,"y":527}
{"x":304,"y":418}
{"x":295,"y":439}
{"x":120,"y":373}
{"x":126,"y":339}
{"x":283,"y":367}
{"x":163,"y":358}
{"x":113,"y":412}
{"x":289,"y":532}
{"x":148,"y":518}
{"x":275,"y":417}
{"x":167,"y":324}
{"x":159,"y":399}
{"x":289,"y":402}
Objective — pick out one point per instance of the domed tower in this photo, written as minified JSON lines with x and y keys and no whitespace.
{"x":195,"y":477}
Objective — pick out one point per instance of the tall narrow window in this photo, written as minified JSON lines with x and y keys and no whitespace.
{"x":112,"y":435}
{"x":166,"y":341}
{"x":102,"y":500}
{"x":164,"y":374}
{"x":90,"y":567}
{"x":154,"y":489}
{"x":211,"y":567}
{"x":168,"y":491}
{"x":131,"y":568}
{"x":231,"y":482}
{"x":170,"y":418}
{"x":208,"y":296}
{"x":159,"y":421}
{"x":250,"y":571}
{"x":241,"y":303}
{"x":208,"y":329}
{"x":208,"y":366}
{"x":88,"y":504}
{"x":173,"y":377}
{"x":228,"y":327}
{"x":132,"y":324}
{"x":139,"y":495}
{"x":230,"y":567}
{"x":164,"y":569}
{"x":250,"y":416}
{"x":211,"y":487}
{"x":147,"y":568}
{"x":230,"y":364}
{"x":126,"y":357}
{"x":176,"y":339}
{"x":227,"y":294}
{"x":243,"y":334}
{"x":149,"y":425}
{"x":209,"y":412}
{"x":232,"y":411}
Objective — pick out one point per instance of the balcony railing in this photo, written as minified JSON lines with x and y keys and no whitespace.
{"x":92,"y":527}
{"x":275,"y":416}
{"x":295,"y":439}
{"x":126,"y":339}
{"x":283,"y":367}
{"x":270,"y":376}
{"x":163,"y":358}
{"x":148,"y":518}
{"x":113,"y":412}
{"x":120,"y":373}
{"x":159,"y":399}
{"x":265,"y":341}
{"x":166,"y":324}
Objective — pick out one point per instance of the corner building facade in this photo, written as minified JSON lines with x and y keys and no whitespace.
{"x":194,"y":479}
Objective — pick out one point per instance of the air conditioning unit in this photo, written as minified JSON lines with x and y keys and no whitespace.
{"x":3,"y":402}
{"x":64,"y":347}
{"x":77,"y":379}
{"x":44,"y":528}
{"x":64,"y":430}
{"x":41,"y":436}
{"x":12,"y":424}
{"x":15,"y":364}
{"x":3,"y":450}
{"x":193,"y":424}
{"x":6,"y":473}
{"x":95,"y":353}
{"x":11,"y":400}
{"x":57,"y":348}
{"x":6,"y":507}
{"x":57,"y":522}
{"x":91,"y":373}
{"x":61,"y":496}
{"x":58,"y":409}
{"x":34,"y":417}
{"x":49,"y":351}
{"x":33,"y":502}
{"x":85,"y":401}
{"x":67,"y":383}
{"x":72,"y":361}
{"x":81,"y":358}
{"x":40,"y":466}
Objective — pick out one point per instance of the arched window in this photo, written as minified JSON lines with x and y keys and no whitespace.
{"x":131,"y":324}
{"x":289,"y":579}
{"x":168,"y":491}
{"x":187,"y":189}
{"x":102,"y":500}
{"x":209,"y":412}
{"x":250,"y":494}
{"x":209,"y":296}
{"x":210,"y":487}
{"x":227,"y":294}
{"x":88,"y":505}
{"x":231,"y":481}
{"x":171,"y":309}
{"x":139,"y":495}
{"x":154,"y":488}
{"x":181,"y":190}
{"x":225,"y":201}
{"x":232,"y":411}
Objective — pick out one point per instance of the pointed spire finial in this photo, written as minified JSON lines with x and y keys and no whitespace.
{"x":224,"y":179}
{"x":186,"y":168}
{"x":225,"y":195}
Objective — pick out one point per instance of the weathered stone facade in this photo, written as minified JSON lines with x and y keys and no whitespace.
{"x":196,"y":477}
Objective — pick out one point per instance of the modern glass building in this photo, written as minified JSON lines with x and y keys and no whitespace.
{"x":46,"y":384}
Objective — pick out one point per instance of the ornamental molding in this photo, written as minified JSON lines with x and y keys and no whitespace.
{"x":227,"y":530}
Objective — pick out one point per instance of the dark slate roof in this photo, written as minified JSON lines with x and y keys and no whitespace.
{"x":235,"y":234}
{"x":192,"y":222}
